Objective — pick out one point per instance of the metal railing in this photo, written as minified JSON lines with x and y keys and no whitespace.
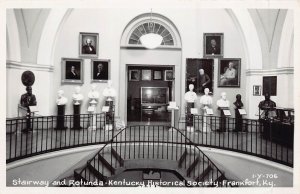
{"x":52,"y":133}
{"x":253,"y":137}
{"x":152,"y":143}
{"x":267,"y":139}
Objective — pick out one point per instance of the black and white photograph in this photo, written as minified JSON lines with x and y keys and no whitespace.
{"x":134,"y":75}
{"x":88,"y":44}
{"x":270,"y":85}
{"x":213,"y":44}
{"x":100,"y":70}
{"x":173,"y":96}
{"x":157,"y":75}
{"x":169,"y":76}
{"x":229,"y":73}
{"x":146,"y":75}
{"x":72,"y":70}
{"x":256,"y":90}
{"x":199,"y":72}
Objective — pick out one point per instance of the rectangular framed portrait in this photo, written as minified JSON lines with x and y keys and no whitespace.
{"x":169,"y":75}
{"x":134,"y":75}
{"x":72,"y":70}
{"x":157,"y":75}
{"x":270,"y":85}
{"x":256,"y":90}
{"x":88,"y":44}
{"x":229,"y":74}
{"x":200,"y":73}
{"x":146,"y":75}
{"x":213,"y":44}
{"x":100,"y":69}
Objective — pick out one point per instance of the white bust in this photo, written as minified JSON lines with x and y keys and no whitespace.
{"x":61,"y":100}
{"x":206,"y":100}
{"x":77,"y":97}
{"x":93,"y":94}
{"x":190,"y":96}
{"x":223,"y":102}
{"x":109,"y":91}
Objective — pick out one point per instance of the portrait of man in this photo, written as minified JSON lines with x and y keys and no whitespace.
{"x":134,"y":75}
{"x":199,"y":72}
{"x":256,"y":90}
{"x":100,"y":69}
{"x":169,"y":75}
{"x":213,"y":44}
{"x":72,"y":70}
{"x":229,"y":73}
{"x":88,"y":44}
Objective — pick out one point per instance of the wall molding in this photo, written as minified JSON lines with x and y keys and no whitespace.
{"x":25,"y":66}
{"x":278,"y":71}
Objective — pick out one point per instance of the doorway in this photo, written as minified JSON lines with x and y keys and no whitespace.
{"x":149,"y":90}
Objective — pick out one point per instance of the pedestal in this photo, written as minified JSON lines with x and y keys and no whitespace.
{"x":172,"y":116}
{"x":76,"y":117}
{"x":92,"y":112}
{"x":60,"y":123}
{"x":109,"y":116}
{"x":222,"y":127}
{"x":28,"y":122}
{"x":205,"y":125}
{"x":238,"y":120}
{"x":189,"y":117}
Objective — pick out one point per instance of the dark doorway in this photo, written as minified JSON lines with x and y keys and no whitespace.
{"x":149,"y":92}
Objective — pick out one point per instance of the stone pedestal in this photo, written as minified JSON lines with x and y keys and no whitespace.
{"x":223,"y":126}
{"x":60,"y":125}
{"x":206,"y":125}
{"x":76,"y":117}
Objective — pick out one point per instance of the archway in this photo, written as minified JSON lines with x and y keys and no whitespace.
{"x":134,"y":54}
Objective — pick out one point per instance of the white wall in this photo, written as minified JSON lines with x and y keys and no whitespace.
{"x":110,"y":24}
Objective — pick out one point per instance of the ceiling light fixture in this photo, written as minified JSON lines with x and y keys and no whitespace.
{"x":151,"y":40}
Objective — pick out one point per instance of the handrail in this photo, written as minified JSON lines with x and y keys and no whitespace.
{"x":256,"y":137}
{"x":184,"y":143}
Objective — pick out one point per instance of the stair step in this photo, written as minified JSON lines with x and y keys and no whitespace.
{"x":192,"y":166}
{"x":117,"y":156}
{"x":99,"y":166}
{"x":204,"y":173}
{"x":182,"y":158}
{"x":97,"y":175}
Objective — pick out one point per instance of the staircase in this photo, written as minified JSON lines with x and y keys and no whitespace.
{"x":187,"y":161}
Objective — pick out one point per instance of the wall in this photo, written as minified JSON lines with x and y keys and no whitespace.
{"x":61,"y":163}
{"x":110,"y":24}
{"x":242,"y":167}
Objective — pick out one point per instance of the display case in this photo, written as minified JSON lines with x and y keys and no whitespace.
{"x":153,"y":99}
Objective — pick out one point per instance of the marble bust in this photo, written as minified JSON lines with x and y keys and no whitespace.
{"x":77,"y":96}
{"x":109,"y":92}
{"x":93,"y":95}
{"x":61,"y":100}
{"x":190,"y":96}
{"x":206,"y":100}
{"x":223,"y":102}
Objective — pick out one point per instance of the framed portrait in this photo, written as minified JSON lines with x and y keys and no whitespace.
{"x":229,"y":72}
{"x":200,"y":73}
{"x":169,"y":75}
{"x":157,"y":75}
{"x":256,"y":90}
{"x":88,"y":44}
{"x":134,"y":75}
{"x":100,"y":69}
{"x":72,"y":71}
{"x":213,"y":44}
{"x":270,"y":85}
{"x":146,"y":75}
